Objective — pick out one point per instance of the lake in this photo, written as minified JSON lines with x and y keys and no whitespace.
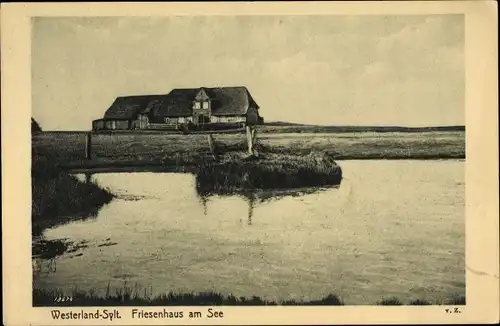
{"x":393,"y":228}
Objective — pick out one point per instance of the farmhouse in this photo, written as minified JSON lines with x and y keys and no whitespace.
{"x":197,"y":108}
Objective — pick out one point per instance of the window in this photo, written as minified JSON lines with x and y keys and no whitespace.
{"x":167,"y":120}
{"x":197,"y":105}
{"x":205,"y":105}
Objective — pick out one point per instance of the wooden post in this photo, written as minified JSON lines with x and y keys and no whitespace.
{"x":212,"y":146}
{"x":88,"y":146}
{"x":249,"y":140}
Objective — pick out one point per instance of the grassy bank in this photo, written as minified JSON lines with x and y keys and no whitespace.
{"x":132,"y":297}
{"x":174,"y":149}
{"x":58,"y":196}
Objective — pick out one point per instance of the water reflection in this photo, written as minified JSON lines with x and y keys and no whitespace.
{"x":253,"y":198}
{"x":251,"y":203}
{"x":249,"y":198}
{"x":204,"y":202}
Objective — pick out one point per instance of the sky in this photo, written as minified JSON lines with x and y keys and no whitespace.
{"x":325,"y":70}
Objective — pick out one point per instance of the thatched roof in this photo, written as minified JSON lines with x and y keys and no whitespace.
{"x":127,"y":107}
{"x":225,"y":101}
{"x":179,"y":103}
{"x":231,"y":100}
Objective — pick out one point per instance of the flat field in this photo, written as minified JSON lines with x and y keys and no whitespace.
{"x":156,"y":148}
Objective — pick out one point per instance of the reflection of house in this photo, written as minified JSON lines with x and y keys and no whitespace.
{"x":194,"y":107}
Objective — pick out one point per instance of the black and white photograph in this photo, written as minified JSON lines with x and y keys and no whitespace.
{"x":248,"y":160}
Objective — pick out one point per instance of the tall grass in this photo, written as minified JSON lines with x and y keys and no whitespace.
{"x":419,"y":302}
{"x":271,"y":172}
{"x":390,"y":302}
{"x":457,"y":300}
{"x":133,"y":296}
{"x":57,"y":196}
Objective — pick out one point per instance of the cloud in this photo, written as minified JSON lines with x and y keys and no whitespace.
{"x":422,"y":40}
{"x":427,"y":51}
{"x":365,"y":69}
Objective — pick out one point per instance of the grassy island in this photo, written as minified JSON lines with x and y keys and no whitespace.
{"x":271,"y":171}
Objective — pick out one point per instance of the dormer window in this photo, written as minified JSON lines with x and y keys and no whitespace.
{"x":201,"y":105}
{"x":202,"y":100}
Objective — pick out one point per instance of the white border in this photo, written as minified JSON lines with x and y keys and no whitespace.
{"x":482,"y":212}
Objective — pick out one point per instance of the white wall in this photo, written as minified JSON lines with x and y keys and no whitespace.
{"x":216,"y":119}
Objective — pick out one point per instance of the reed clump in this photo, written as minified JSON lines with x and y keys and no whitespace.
{"x":269,"y":172}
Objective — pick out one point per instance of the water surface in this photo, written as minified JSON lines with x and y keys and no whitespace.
{"x":393,"y":228}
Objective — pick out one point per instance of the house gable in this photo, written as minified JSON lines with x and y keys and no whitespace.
{"x":202,"y":96}
{"x":201,"y":102}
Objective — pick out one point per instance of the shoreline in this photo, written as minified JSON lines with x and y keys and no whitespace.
{"x":59,"y":197}
{"x":284,"y":127}
{"x":103,"y":166}
{"x":67,"y":149}
{"x":129,"y":296}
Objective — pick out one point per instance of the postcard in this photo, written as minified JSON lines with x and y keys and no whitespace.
{"x":250,"y":163}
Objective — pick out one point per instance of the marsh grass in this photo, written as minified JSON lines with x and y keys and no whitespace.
{"x":67,"y":148}
{"x":58,"y":196}
{"x":419,"y":302}
{"x":393,"y":301}
{"x":128,"y":296}
{"x":457,"y":300}
{"x":269,"y":172}
{"x":134,"y":296}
